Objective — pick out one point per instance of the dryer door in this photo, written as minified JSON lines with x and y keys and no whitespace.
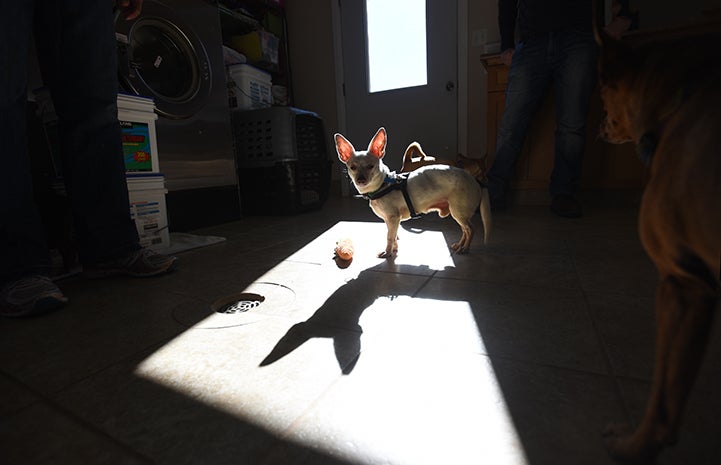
{"x":161,"y":57}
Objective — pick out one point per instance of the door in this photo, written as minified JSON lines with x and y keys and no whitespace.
{"x":427,"y":113}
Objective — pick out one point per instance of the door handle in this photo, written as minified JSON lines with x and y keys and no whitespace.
{"x":450,"y":85}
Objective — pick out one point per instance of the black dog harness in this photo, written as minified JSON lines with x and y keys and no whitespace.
{"x":394,"y":181}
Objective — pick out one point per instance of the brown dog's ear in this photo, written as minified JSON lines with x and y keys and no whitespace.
{"x":616,"y":58}
{"x":344,"y":148}
{"x":377,"y":146}
{"x":607,"y":54}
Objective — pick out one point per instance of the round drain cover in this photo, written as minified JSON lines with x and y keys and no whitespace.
{"x":238,"y":303}
{"x":254,"y":303}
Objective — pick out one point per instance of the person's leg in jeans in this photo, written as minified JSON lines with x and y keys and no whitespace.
{"x":574,"y":81}
{"x":76,"y":48}
{"x":77,"y":52}
{"x":23,"y":245}
{"x":528,"y":81}
{"x":25,"y":288}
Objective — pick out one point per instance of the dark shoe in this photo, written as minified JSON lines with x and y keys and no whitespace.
{"x":139,"y":264}
{"x":566,"y":206}
{"x":30,"y":296}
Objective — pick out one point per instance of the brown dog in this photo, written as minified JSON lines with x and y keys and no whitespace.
{"x":411,"y":163}
{"x":665,"y":97}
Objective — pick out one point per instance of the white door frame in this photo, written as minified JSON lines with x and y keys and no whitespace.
{"x":461,"y":76}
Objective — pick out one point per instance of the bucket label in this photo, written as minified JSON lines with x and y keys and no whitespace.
{"x":136,"y":146}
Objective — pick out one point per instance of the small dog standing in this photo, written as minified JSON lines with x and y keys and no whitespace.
{"x":395,"y":198}
{"x":671,"y":109}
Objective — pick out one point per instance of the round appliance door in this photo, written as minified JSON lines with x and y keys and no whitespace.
{"x":165,"y":60}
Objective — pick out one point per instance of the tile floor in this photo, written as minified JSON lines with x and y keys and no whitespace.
{"x":517,"y":353}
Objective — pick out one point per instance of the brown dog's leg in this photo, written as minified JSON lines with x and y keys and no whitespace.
{"x":684,"y":312}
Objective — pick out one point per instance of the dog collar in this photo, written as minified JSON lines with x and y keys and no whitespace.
{"x":646,"y":147}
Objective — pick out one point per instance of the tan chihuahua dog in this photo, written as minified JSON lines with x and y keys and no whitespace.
{"x":395,"y":198}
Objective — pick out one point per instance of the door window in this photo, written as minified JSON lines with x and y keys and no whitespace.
{"x":396,"y":32}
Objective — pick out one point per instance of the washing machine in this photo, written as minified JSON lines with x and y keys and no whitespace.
{"x":173,"y":54}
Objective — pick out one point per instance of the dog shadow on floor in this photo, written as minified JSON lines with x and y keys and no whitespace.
{"x":339,"y":316}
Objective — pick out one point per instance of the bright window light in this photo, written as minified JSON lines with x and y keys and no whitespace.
{"x":396,"y":44}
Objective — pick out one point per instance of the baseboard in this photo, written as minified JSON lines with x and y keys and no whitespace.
{"x":541,"y":197}
{"x":199,"y":208}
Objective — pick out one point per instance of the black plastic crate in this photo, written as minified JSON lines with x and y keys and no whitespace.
{"x":286,"y":187}
{"x":267,"y":136}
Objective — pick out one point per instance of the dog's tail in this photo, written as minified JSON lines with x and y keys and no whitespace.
{"x":485,"y":210}
{"x":413,"y":147}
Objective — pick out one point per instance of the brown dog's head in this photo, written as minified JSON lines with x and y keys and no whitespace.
{"x":475,"y":166}
{"x":616,"y":71}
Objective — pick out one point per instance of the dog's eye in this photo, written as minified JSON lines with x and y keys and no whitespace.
{"x":370,"y":166}
{"x":352,"y":167}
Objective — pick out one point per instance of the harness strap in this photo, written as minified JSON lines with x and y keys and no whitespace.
{"x":395,"y":181}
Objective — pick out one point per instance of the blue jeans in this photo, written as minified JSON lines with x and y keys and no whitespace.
{"x":75,"y":43}
{"x":568,"y":60}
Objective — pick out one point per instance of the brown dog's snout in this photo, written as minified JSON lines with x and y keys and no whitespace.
{"x":610,"y":131}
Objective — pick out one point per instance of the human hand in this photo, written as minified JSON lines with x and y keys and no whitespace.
{"x":617,"y":27}
{"x":507,"y":56}
{"x":129,"y":8}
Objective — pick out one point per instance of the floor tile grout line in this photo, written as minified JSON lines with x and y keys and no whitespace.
{"x":602,"y":343}
{"x":547,"y":365}
{"x":124,"y":359}
{"x":496,"y":283}
{"x":50,"y":402}
{"x":424,"y":284}
{"x":285,"y":433}
{"x":21,"y":385}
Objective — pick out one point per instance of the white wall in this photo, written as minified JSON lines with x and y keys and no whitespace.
{"x":312,"y":62}
{"x":482,"y":15}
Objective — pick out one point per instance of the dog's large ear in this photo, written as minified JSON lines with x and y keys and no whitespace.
{"x":615,"y":58}
{"x":611,"y":50}
{"x":377,"y":146}
{"x":344,"y":148}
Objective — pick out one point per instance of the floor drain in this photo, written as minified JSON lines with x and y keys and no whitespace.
{"x":239,"y":303}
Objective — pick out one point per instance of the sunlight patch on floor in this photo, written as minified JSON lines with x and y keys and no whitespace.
{"x":416,"y":246}
{"x":399,"y":380}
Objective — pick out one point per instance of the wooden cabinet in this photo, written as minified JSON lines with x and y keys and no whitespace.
{"x":605,"y":166}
